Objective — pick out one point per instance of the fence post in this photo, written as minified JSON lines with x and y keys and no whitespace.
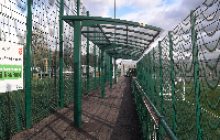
{"x":87,"y":60}
{"x":95,"y":84}
{"x":153,"y":77}
{"x":172,"y":78}
{"x":115,"y":66}
{"x":110,"y":74}
{"x":27,"y":67}
{"x":102,"y":75}
{"x":196,"y":74}
{"x":106,"y":68}
{"x":106,"y":76}
{"x":77,"y":71}
{"x":49,"y":64}
{"x":99,"y":66}
{"x":61,"y":80}
{"x":161,"y":78}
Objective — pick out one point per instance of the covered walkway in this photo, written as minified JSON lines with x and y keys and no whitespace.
{"x":46,"y":94}
{"x":113,"y":117}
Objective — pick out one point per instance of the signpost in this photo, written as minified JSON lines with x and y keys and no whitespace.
{"x":11,"y":67}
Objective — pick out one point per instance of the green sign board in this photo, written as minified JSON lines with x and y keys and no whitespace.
{"x":11,"y":67}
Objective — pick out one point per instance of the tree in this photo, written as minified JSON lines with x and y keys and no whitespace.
{"x":40,"y":51}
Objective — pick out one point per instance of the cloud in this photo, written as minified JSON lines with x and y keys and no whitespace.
{"x":105,"y":8}
{"x":163,"y":13}
{"x":98,"y":7}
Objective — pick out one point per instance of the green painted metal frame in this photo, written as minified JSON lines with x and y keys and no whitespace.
{"x":196,"y":74}
{"x":61,"y":58}
{"x":115,"y":46}
{"x":89,"y":21}
{"x":102,"y":74}
{"x":161,"y":79}
{"x":172,"y":78}
{"x":115,"y":71}
{"x":111,"y":71}
{"x":77,"y":72}
{"x":87,"y":61}
{"x":77,"y":76}
{"x":27,"y":67}
{"x":104,"y":40}
{"x":110,"y":34}
{"x":99,"y":67}
{"x":95,"y":62}
{"x":162,"y":121}
{"x":128,"y":46}
{"x":131,"y":30}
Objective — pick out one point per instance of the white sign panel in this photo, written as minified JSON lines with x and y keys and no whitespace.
{"x":11,"y":67}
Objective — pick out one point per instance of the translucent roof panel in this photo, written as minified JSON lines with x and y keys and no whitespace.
{"x":119,"y":38}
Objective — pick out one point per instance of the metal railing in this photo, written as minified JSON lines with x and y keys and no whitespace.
{"x":151,"y":112}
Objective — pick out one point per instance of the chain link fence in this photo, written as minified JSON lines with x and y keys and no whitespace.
{"x":181,"y":75}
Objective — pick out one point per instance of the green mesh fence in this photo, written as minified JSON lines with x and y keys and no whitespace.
{"x":181,"y":75}
{"x":44,"y":60}
{"x":51,"y":57}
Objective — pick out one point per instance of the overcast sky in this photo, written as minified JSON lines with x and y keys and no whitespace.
{"x":163,"y":13}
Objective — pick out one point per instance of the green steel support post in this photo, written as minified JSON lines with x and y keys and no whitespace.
{"x":27,"y":67}
{"x":106,"y":75}
{"x":87,"y":61}
{"x":107,"y":68}
{"x":95,"y":84}
{"x":115,"y":66}
{"x":196,"y":75}
{"x":149,"y":75}
{"x":102,"y":75}
{"x":161,"y":84}
{"x":77,"y":72}
{"x":172,"y":78}
{"x":61,"y":60}
{"x":111,"y":72}
{"x":99,"y":66}
{"x":153,"y":78}
{"x":161,"y":79}
{"x":115,"y":80}
{"x":78,"y":7}
{"x":49,"y":64}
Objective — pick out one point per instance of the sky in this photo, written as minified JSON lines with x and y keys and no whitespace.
{"x":162,"y":13}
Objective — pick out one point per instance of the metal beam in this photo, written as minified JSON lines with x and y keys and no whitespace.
{"x":130,"y":30}
{"x":129,"y":41}
{"x":107,"y":39}
{"x":129,"y":44}
{"x":120,"y":34}
{"x":115,"y":46}
{"x":89,"y":21}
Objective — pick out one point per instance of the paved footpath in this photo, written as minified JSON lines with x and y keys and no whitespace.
{"x":110,"y":118}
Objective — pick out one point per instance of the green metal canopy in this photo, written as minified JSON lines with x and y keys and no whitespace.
{"x":118,"y":38}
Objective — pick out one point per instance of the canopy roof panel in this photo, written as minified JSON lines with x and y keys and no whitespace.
{"x":119,"y":38}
